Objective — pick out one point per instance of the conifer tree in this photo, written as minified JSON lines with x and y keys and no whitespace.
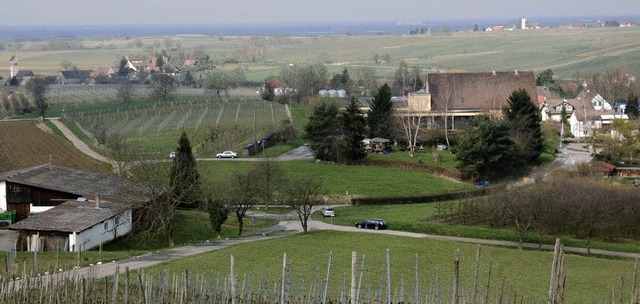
{"x":524,"y":121}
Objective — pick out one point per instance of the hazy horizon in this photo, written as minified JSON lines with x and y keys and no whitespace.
{"x":248,"y":12}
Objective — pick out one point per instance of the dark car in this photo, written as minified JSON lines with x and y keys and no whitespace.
{"x":482,"y":184}
{"x":372,"y":224}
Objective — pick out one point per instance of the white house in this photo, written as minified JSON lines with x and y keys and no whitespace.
{"x":591,"y":112}
{"x":75,"y":225}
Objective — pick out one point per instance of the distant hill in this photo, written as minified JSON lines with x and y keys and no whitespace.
{"x":23,"y":144}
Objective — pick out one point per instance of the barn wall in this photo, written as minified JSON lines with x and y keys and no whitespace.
{"x":3,"y":195}
{"x":30,"y":199}
{"x":103,"y":232}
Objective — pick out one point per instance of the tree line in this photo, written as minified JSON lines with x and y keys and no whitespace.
{"x":578,"y":203}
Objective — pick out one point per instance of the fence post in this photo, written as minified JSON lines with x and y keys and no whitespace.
{"x":352,"y":294}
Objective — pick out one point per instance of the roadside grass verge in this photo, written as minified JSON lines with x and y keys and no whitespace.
{"x":422,"y":218}
{"x":345,"y":180}
{"x":526,"y":272}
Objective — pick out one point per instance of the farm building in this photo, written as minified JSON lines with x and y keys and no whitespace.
{"x":459,"y":96}
{"x":74,"y":225}
{"x":54,"y":212}
{"x":40,"y":188}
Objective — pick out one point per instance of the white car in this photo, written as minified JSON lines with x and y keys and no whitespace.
{"x":227,"y":154}
{"x":172,"y":155}
{"x":327,"y":211}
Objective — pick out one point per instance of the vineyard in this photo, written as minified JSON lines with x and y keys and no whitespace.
{"x":364,"y":284}
{"x":213,"y":125}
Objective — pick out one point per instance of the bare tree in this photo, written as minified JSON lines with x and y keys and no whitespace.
{"x":303,"y":195}
{"x":518,"y":209}
{"x":446,"y":103}
{"x":269,"y":180}
{"x":411,"y":121}
{"x":241,"y":195}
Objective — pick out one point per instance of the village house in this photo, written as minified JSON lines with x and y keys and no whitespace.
{"x":591,"y":112}
{"x":75,"y":76}
{"x":104,"y":71}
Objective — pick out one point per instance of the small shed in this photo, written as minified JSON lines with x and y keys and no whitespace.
{"x":75,"y":225}
{"x":378,"y":144}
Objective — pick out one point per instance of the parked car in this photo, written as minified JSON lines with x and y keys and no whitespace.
{"x":227,"y":154}
{"x":172,"y":155}
{"x":372,"y":224}
{"x":327,"y":211}
{"x":482,"y":184}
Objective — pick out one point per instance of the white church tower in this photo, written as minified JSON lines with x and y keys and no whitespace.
{"x":523,"y":23}
{"x":14,"y":66}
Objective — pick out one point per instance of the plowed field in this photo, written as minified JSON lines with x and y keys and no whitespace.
{"x":23,"y":144}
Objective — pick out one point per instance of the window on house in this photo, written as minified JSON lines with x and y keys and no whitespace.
{"x":117,"y":220}
{"x":462,"y":99}
{"x":106,"y":225}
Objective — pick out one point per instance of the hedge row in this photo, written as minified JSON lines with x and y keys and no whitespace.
{"x":418,"y":199}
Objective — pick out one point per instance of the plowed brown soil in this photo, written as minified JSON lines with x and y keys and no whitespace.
{"x":23,"y":144}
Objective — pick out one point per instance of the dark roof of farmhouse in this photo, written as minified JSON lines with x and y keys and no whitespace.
{"x":71,"y":216}
{"x":76,"y":74}
{"x":478,"y":91}
{"x":79,"y":182}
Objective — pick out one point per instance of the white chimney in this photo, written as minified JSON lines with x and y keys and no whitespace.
{"x":515,"y":72}
{"x":97,"y":201}
{"x":493,"y":73}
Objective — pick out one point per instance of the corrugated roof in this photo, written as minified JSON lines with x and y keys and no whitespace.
{"x":82,"y":183}
{"x":478,"y":91}
{"x":71,"y":216}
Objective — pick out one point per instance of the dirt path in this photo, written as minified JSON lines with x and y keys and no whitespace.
{"x":79,"y":144}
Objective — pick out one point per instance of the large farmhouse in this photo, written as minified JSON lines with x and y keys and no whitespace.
{"x":459,"y":96}
{"x":61,"y":195}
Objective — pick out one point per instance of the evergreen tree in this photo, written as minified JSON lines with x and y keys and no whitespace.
{"x":524,"y":121}
{"x":353,"y":129}
{"x":218,"y":214}
{"x":123,"y":69}
{"x":322,"y":131}
{"x":38,"y":88}
{"x":632,"y":107}
{"x":380,"y":113}
{"x":486,"y":150}
{"x":184,"y":182}
{"x":188,"y":79}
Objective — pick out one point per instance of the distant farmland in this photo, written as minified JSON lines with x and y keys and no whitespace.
{"x":23,"y":144}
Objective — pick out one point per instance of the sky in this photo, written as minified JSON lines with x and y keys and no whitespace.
{"x":130,"y":12}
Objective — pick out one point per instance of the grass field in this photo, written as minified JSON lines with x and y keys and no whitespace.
{"x":341,"y":180}
{"x":524,"y":271}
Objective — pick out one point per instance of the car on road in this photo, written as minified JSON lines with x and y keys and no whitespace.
{"x":372,"y":224}
{"x":482,"y":184}
{"x":327,"y":211}
{"x":172,"y":155}
{"x":227,"y":154}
